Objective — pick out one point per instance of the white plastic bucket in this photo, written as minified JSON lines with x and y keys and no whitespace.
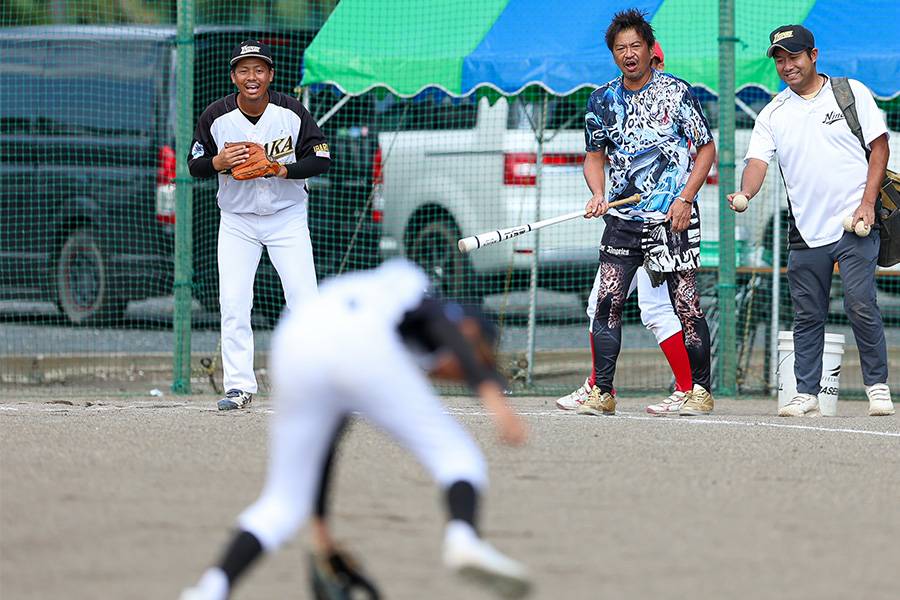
{"x":831,"y":371}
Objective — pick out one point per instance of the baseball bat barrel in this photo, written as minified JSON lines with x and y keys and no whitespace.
{"x":487,"y":238}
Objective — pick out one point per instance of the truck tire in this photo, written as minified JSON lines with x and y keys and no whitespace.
{"x":433,"y":247}
{"x":82,"y":285}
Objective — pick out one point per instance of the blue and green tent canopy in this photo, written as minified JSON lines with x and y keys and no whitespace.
{"x":507,"y":47}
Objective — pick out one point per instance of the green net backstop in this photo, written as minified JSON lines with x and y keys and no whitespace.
{"x":108,"y":274}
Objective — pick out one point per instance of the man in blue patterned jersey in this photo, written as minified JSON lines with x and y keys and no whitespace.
{"x":267,"y":211}
{"x":645,"y":122}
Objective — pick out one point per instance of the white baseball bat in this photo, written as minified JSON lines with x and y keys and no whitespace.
{"x":501,"y":235}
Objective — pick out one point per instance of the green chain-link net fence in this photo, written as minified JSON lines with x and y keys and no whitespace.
{"x":99,"y":286}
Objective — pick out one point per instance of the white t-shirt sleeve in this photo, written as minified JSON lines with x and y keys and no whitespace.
{"x":870,"y":119}
{"x":762,"y":139}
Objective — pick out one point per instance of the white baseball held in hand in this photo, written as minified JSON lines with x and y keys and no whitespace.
{"x":740,"y":203}
{"x":860,"y":228}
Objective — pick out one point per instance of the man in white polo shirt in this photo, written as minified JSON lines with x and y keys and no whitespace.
{"x":828,"y":179}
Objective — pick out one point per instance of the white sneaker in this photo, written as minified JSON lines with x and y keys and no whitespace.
{"x":669,"y":406}
{"x":880,"y":404}
{"x":801,"y":405}
{"x":576,"y":398}
{"x":478,"y":561}
{"x":213,"y":585}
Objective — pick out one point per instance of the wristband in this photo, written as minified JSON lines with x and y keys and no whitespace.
{"x":685,"y":200}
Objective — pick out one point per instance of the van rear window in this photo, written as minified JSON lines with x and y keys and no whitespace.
{"x":429,"y":113}
{"x":80,"y":87}
{"x":562,"y":113}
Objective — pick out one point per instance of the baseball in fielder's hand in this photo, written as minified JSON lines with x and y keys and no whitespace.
{"x":740,"y":202}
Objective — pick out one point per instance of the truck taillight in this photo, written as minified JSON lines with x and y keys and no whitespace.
{"x":520,"y":168}
{"x":377,"y":186}
{"x":165,"y":186}
{"x":377,"y":174}
{"x":165,"y":165}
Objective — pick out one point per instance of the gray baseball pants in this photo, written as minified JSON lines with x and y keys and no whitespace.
{"x":809,"y":276}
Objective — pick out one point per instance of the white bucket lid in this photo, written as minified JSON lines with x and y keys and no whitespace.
{"x":837,"y":339}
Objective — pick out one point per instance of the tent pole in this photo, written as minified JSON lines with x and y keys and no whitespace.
{"x":337,"y":106}
{"x":538,"y":184}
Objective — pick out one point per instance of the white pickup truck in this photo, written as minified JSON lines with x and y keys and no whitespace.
{"x":461,"y":167}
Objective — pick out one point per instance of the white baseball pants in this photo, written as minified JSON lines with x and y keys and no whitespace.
{"x":326,"y":368}
{"x":657,"y":313}
{"x":285,"y":235}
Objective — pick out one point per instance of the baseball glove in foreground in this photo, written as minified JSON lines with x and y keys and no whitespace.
{"x":258,"y":164}
{"x":335,"y":575}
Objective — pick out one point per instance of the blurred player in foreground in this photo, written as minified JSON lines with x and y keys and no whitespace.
{"x":375,"y":327}
{"x":657,"y":315}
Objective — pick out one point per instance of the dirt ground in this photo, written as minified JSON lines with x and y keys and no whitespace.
{"x":133,"y":498}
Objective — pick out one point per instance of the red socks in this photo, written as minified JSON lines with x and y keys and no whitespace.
{"x":676,"y":354}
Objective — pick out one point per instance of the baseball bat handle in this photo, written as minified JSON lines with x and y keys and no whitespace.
{"x":487,"y":238}
{"x":628,"y":200}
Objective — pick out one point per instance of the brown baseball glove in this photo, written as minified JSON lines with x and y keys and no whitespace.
{"x":258,"y":164}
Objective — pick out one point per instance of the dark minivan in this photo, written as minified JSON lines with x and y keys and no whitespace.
{"x":86,"y":162}
{"x":87,"y":168}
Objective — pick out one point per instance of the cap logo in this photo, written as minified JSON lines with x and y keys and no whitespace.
{"x":780,"y":36}
{"x":249,"y":49}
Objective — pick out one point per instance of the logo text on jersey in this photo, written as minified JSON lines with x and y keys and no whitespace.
{"x":612,"y":250}
{"x":833,"y":117}
{"x":280,"y":148}
{"x":321,"y":150}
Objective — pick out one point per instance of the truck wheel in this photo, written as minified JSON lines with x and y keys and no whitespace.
{"x":82,"y":284}
{"x":433,"y":248}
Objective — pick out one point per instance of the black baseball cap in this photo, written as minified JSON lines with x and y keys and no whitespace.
{"x":793,"y":38}
{"x":251,"y":48}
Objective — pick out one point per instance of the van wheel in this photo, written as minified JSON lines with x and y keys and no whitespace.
{"x":433,"y":247}
{"x":83,"y":291}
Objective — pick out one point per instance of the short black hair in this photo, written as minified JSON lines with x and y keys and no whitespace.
{"x":630,"y":18}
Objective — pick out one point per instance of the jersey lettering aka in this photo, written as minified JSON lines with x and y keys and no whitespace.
{"x":280,"y":148}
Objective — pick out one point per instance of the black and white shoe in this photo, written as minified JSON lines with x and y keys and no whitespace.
{"x":235,"y":399}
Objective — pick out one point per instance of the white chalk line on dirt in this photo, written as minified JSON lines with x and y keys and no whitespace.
{"x":692,"y":420}
{"x":478,"y":412}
